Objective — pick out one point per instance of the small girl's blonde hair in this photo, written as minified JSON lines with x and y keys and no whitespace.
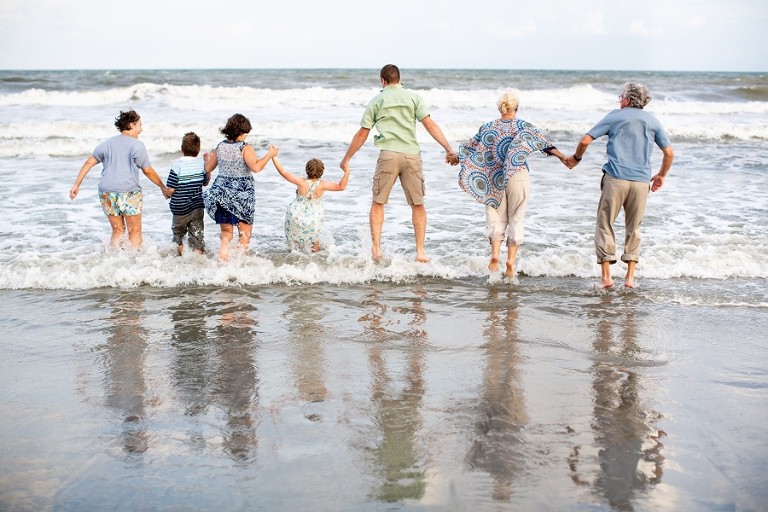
{"x":508,"y":102}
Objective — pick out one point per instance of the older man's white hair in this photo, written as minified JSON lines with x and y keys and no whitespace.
{"x":637,"y":94}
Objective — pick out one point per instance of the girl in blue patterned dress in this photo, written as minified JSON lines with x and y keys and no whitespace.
{"x":231,"y":200}
{"x":304,"y":217}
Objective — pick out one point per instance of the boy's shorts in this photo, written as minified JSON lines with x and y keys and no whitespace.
{"x":193,"y":224}
{"x":121,"y":203}
{"x":392,"y":164}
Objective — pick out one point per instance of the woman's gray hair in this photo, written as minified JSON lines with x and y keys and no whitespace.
{"x":637,"y":94}
{"x":508,"y":102}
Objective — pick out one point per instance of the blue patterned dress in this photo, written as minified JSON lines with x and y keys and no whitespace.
{"x":497,"y":151}
{"x":304,"y":219}
{"x":233,"y":189}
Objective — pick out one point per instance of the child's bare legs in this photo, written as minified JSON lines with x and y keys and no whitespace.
{"x":227,"y":232}
{"x":493,"y":265}
{"x":510,"y":272}
{"x":243,"y":236}
{"x":180,"y":249}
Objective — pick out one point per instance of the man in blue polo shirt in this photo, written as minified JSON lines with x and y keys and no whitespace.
{"x":394,"y":112}
{"x":631,"y":133}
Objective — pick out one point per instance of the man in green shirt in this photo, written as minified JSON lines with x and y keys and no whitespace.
{"x":394,"y":112}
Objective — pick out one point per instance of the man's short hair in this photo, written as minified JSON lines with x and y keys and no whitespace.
{"x":390,"y":74}
{"x":190,"y":144}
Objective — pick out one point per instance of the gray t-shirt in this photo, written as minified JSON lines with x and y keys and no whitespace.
{"x":122,"y":157}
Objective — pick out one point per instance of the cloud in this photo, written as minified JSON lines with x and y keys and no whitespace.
{"x":639,"y":28}
{"x":507,"y":30}
{"x":697,"y":21}
{"x":594,"y":23}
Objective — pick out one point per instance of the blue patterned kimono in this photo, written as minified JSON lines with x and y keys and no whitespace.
{"x":499,"y":149}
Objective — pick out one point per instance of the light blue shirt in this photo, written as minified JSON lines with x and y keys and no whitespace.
{"x":631,"y":134}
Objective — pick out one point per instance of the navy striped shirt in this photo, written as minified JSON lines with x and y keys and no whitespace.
{"x":187,"y":178}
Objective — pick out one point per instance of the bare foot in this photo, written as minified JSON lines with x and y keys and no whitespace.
{"x":422,"y":258}
{"x":180,"y":250}
{"x":376,"y":254}
{"x":510,"y":272}
{"x":493,"y":266}
{"x":629,"y":283}
{"x":316,"y":247}
{"x":607,"y":282}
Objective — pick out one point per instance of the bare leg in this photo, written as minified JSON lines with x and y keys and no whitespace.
{"x":376,"y":220}
{"x":316,"y":246}
{"x":227,"y":232}
{"x":243,"y":237}
{"x":629,"y":279}
{"x":180,"y":249}
{"x":605,"y":271}
{"x":493,"y":265}
{"x":511,"y":258}
{"x":133,"y":222}
{"x":419,"y":219}
{"x":117,"y":224}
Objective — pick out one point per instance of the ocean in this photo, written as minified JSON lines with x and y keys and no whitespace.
{"x":329,"y":382}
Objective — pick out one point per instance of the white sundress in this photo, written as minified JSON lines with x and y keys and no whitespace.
{"x":303,"y":220}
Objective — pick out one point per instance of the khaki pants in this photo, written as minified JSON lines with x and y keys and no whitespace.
{"x":392,"y":165}
{"x":617,"y":194}
{"x":509,"y":217}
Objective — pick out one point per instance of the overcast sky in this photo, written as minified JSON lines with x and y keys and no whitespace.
{"x":676,"y":35}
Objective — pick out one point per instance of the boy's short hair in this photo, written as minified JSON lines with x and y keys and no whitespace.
{"x":315,"y":168}
{"x":190,"y":144}
{"x":124,"y":121}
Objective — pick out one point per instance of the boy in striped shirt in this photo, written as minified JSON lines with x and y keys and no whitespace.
{"x":186,"y":179}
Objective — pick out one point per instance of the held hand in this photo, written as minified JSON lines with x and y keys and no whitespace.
{"x":168,"y":192}
{"x":344,"y":165}
{"x":273,"y":151}
{"x":570,"y":162}
{"x":73,"y":192}
{"x":452,"y":158}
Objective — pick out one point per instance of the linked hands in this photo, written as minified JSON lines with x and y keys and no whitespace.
{"x":571,"y":161}
{"x":451,"y":157}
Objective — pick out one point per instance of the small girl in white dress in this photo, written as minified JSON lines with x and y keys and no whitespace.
{"x":304,"y":217}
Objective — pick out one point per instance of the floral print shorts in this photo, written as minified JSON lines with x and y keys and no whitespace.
{"x":121,"y":203}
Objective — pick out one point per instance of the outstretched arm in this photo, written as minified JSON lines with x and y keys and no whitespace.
{"x":252,"y":160}
{"x":290,"y":177}
{"x":87,"y":166}
{"x":357,"y":142}
{"x":666,"y":162}
{"x":573,"y":160}
{"x":337,"y":187}
{"x":434,"y":130}
{"x":150,"y":173}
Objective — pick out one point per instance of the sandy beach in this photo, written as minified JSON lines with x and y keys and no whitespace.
{"x":427,"y":395}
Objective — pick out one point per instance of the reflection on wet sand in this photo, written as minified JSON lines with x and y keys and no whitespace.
{"x":397,"y":391}
{"x":215,"y":367}
{"x":497,"y":448}
{"x":629,"y":450}
{"x":305,"y":317}
{"x":125,"y":387}
{"x":235,"y":387}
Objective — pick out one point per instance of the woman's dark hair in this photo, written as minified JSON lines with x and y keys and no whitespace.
{"x":236,"y":125}
{"x":126,"y":119}
{"x":314,"y":169}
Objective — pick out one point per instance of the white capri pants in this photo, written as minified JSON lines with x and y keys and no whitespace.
{"x":509,"y":218}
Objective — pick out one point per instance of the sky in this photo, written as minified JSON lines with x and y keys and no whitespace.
{"x":653,"y":35}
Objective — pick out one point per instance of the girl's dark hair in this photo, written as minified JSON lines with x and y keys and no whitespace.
{"x":315,"y":168}
{"x":236,"y":125}
{"x":126,"y":119}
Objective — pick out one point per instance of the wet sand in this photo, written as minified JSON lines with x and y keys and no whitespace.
{"x":427,"y":395}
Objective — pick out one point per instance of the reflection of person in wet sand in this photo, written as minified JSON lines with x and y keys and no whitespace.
{"x":235,"y":387}
{"x":497,"y":448}
{"x":305,"y":321}
{"x":125,"y":388}
{"x":397,"y":401}
{"x":629,"y":448}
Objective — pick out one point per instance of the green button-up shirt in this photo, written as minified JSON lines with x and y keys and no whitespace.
{"x":394,"y":112}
